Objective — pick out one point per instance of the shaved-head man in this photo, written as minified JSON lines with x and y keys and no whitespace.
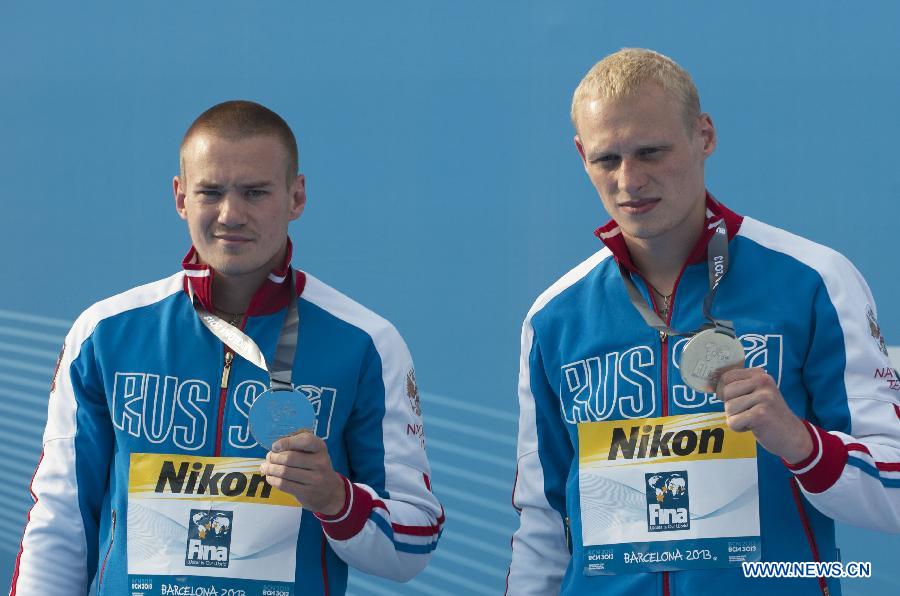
{"x":239,"y":427}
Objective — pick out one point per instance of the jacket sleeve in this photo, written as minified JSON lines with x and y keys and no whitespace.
{"x":59,"y":549}
{"x":853,"y":473}
{"x":391,"y":521}
{"x":540,"y":553}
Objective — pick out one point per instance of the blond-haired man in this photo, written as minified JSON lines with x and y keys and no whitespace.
{"x":706,"y":390}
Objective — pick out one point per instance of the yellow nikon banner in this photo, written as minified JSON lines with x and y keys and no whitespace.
{"x":221,"y":479}
{"x":690,"y":437}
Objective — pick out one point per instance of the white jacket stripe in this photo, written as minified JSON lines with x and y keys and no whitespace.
{"x":377,"y":549}
{"x":540,"y":553}
{"x":56,"y":520}
{"x":873,"y":419}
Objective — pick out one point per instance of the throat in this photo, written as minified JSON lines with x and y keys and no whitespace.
{"x":232,"y":295}
{"x":661,"y":260}
{"x":660,"y":271}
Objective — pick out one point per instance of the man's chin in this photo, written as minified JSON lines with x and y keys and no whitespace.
{"x":236,"y":265}
{"x":233,"y":267}
{"x":643,"y":232}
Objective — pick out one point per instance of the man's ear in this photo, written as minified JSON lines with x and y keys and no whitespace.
{"x":180,"y":190}
{"x":708,"y":133}
{"x":580,"y":148}
{"x":298,"y":197}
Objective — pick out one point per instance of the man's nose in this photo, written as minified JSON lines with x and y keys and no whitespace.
{"x":231,"y":210}
{"x":632,"y":176}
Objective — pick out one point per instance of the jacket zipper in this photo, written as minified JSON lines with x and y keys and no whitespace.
{"x":664,"y":375}
{"x":807,"y":528}
{"x":112,"y":538}
{"x":663,"y":344}
{"x":664,"y":391}
{"x":223,"y":398}
{"x":664,"y":371}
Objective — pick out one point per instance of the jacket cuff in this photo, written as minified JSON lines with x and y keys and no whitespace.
{"x":818,"y":472}
{"x":347,"y":522}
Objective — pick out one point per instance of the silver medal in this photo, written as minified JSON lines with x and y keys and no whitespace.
{"x":707,"y":355}
{"x":279,"y":413}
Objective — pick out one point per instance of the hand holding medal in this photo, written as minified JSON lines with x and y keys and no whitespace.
{"x":282,"y":420}
{"x":713,"y":361}
{"x":299,"y":465}
{"x":753,"y":402}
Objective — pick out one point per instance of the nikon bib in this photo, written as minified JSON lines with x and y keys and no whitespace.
{"x":667,"y":494}
{"x":208,"y":525}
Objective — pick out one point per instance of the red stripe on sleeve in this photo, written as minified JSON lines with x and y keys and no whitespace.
{"x":432,"y":530}
{"x":831,"y":464}
{"x":884,"y":466}
{"x":356,"y":516}
{"x":859,"y":447}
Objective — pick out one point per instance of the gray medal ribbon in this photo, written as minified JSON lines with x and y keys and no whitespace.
{"x":717,"y":264}
{"x":281,"y":368}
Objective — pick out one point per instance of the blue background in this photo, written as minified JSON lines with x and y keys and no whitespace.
{"x":444,"y":189}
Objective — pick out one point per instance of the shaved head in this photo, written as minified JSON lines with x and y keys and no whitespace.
{"x":237,"y":120}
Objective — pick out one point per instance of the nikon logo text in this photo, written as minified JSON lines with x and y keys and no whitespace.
{"x":210,"y":482}
{"x":651,"y":441}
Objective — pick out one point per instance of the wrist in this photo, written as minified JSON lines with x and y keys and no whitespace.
{"x":339,"y":502}
{"x":801,"y":447}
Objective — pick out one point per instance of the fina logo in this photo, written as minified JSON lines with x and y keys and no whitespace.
{"x":667,"y":501}
{"x":209,"y":538}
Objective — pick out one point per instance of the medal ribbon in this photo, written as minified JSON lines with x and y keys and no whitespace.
{"x":717,"y":264}
{"x":281,"y":368}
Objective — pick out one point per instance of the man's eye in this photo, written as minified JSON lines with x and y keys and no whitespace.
{"x":211,"y":194}
{"x":254,"y":193}
{"x":606,"y":161}
{"x":649,"y":152}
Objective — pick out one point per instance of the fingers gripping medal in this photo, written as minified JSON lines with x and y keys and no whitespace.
{"x":281,"y":410}
{"x":714,"y":348}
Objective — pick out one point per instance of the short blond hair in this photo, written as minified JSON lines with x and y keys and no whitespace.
{"x":621,"y":74}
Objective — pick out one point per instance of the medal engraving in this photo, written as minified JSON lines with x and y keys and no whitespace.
{"x":277,"y":414}
{"x":707,"y":356}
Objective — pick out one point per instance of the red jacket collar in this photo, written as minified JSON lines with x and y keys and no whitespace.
{"x":271,"y":296}
{"x":611,"y":234}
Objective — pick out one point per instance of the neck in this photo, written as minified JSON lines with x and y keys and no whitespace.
{"x":233,"y":293}
{"x":661,"y":259}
